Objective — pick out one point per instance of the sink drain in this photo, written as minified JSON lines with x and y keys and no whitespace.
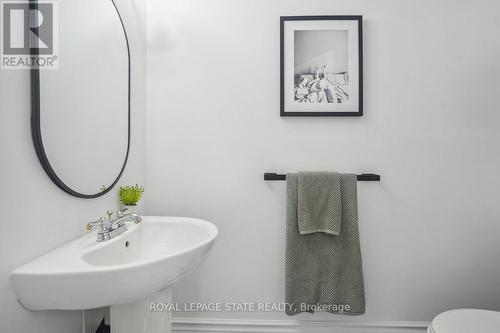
{"x":127,"y":244}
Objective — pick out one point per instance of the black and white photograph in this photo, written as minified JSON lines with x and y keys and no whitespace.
{"x":321,"y":66}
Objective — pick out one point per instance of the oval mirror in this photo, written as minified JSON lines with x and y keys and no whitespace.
{"x":81,"y":110}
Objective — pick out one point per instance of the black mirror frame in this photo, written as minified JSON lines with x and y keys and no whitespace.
{"x":35,"y":120}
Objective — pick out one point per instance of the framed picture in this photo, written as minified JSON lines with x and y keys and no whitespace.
{"x":321,"y":66}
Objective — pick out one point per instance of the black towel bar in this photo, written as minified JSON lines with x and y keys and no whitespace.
{"x":364,"y":177}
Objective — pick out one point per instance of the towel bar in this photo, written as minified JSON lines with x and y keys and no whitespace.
{"x":365,"y":177}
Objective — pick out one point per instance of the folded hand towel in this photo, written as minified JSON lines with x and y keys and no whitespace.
{"x":319,"y":202}
{"x":324,"y":272}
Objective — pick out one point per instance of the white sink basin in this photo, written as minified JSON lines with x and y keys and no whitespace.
{"x":84,"y":274}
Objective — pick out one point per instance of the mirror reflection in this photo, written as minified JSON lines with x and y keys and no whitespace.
{"x":84,"y":111}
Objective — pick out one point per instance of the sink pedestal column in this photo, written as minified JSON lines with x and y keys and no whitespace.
{"x":137,"y":318}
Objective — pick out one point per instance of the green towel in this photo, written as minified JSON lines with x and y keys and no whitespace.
{"x":324,"y":272}
{"x":319,"y":202}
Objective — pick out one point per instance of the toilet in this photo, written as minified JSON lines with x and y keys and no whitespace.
{"x":466,"y":321}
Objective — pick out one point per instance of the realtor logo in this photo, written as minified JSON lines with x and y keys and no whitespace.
{"x":29,"y":36}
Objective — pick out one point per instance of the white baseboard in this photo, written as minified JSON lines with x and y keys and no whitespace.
{"x":206,"y":325}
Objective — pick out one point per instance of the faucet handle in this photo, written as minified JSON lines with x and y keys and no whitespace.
{"x":91,"y":225}
{"x":120,"y":213}
{"x":110,"y":214}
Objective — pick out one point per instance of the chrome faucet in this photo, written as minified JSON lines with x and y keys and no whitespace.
{"x":109,"y":227}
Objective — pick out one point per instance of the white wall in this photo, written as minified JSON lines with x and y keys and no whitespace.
{"x":36,"y":216}
{"x":311,"y":51}
{"x":429,"y":230}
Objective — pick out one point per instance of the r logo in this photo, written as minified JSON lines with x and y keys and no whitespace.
{"x":27,"y":28}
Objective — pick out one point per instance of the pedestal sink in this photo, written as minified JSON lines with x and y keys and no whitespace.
{"x":131,"y":267}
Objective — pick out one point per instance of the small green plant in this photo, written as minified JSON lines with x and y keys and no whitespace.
{"x":130,"y":195}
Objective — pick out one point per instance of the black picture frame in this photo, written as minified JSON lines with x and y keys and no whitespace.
{"x":283,"y":111}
